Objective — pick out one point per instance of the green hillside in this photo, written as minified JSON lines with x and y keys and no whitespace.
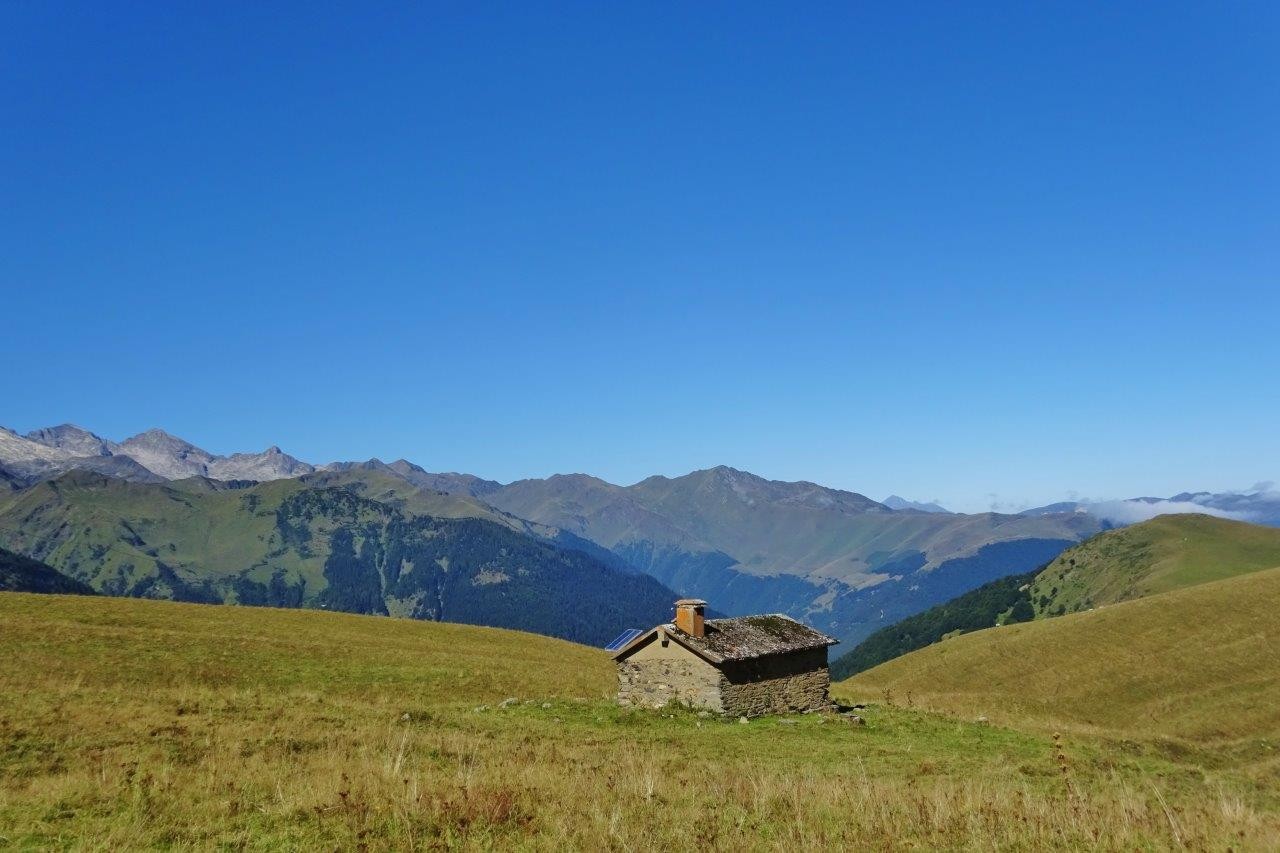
{"x":288,"y":543}
{"x":1168,"y":552}
{"x":379,"y":482}
{"x":1200,"y":665}
{"x":21,"y":574}
{"x":133,"y":724}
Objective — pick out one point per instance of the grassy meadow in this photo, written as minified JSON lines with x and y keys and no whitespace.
{"x":138,"y":724}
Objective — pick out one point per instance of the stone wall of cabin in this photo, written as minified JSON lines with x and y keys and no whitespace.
{"x":777,"y":684}
{"x":655,"y":682}
{"x":657,"y":676}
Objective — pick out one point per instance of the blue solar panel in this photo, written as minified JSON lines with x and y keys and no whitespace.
{"x":623,"y":638}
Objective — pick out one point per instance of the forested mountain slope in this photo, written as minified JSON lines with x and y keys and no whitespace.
{"x":285,"y":543}
{"x":22,"y":574}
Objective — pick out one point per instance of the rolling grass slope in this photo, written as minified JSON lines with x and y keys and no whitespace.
{"x":1199,"y":666}
{"x":130,"y":724}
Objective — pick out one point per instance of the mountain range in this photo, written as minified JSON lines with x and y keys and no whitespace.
{"x":149,"y":457}
{"x":837,"y":559}
{"x":844,"y":562}
{"x":896,"y":502}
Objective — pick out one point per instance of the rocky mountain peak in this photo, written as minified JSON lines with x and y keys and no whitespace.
{"x":158,"y":438}
{"x":167,"y":455}
{"x":727,"y":483}
{"x":449,"y":483}
{"x":20,"y":451}
{"x":76,"y":441}
{"x":896,"y":502}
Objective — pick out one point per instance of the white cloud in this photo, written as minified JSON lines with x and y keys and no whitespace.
{"x":1132,"y":512}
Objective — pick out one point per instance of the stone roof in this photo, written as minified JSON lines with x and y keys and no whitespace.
{"x":742,"y":638}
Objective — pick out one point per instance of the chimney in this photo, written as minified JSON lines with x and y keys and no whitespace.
{"x":689,"y":616}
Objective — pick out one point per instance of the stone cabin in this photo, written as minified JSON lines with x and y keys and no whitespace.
{"x":745,"y":666}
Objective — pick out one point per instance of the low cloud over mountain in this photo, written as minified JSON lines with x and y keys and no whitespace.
{"x":1259,"y":505}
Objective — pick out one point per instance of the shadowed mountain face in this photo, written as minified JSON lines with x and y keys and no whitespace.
{"x":22,"y":574}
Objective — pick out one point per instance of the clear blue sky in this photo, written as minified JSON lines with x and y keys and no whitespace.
{"x":990,"y":254}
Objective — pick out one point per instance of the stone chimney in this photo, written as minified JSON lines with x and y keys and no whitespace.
{"x":689,"y":616}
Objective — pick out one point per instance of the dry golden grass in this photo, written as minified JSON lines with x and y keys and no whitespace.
{"x":1196,"y":669}
{"x":133,"y":724}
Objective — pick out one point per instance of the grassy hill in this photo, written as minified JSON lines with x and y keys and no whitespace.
{"x":1199,"y":665}
{"x":129,"y":724}
{"x":1168,"y":552}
